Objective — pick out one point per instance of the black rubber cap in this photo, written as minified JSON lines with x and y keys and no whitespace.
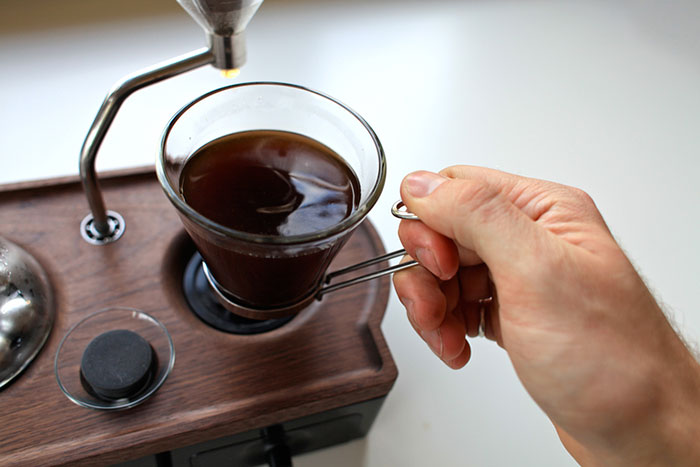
{"x":117,"y":364}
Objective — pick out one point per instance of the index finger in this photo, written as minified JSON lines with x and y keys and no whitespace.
{"x":421,"y":242}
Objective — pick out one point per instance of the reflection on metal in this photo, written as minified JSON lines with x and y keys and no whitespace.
{"x":105,"y":116}
{"x":26,"y":309}
{"x":366,"y":277}
{"x":399,"y":210}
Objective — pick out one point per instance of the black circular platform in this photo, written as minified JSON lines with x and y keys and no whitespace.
{"x":205,"y":306}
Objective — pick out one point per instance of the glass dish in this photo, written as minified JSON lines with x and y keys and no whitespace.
{"x":73,"y":344}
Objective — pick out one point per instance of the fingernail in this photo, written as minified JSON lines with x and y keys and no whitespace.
{"x":421,"y":184}
{"x":427,"y":259}
{"x":434,"y":340}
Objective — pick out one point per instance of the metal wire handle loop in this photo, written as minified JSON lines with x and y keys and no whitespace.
{"x":399,"y":210}
{"x":372,"y":275}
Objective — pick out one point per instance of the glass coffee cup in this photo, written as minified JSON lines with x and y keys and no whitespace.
{"x":270,"y":272}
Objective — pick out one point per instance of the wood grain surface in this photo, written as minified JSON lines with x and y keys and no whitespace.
{"x":331,"y":355}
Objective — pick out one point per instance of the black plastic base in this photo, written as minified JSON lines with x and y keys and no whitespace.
{"x":302,"y":435}
{"x":254,"y":447}
{"x":204,"y":304}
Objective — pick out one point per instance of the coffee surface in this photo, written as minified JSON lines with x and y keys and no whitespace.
{"x":270,"y":183}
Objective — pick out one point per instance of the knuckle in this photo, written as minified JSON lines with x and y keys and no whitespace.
{"x":582,"y":203}
{"x":453,"y":171}
{"x":429,"y":316}
{"x":581,"y":197}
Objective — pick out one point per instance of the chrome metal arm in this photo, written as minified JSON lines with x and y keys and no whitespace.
{"x":100,"y":228}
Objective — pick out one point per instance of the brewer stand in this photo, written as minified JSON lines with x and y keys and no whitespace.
{"x":321,"y":376}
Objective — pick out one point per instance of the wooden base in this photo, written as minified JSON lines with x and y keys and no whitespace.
{"x":331,"y":355}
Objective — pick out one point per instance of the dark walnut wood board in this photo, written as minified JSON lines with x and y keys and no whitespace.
{"x":331,"y":355}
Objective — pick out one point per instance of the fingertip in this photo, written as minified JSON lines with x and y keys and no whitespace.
{"x":453,"y":341}
{"x":462,"y":359}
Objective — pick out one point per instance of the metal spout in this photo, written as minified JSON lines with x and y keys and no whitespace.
{"x":224,"y":22}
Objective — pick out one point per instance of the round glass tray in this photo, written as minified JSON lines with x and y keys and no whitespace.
{"x":72,"y":346}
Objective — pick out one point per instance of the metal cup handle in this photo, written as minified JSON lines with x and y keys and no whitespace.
{"x":397,"y":210}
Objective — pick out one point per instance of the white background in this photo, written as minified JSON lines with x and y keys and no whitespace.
{"x":603,"y":95}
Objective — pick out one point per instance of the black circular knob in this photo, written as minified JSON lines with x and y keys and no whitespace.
{"x":117,"y":364}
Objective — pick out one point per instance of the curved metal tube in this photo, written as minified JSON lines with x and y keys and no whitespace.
{"x":116,"y":97}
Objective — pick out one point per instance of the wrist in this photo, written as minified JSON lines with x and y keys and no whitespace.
{"x":665,"y":429}
{"x":680,"y":417}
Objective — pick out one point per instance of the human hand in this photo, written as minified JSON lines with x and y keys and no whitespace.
{"x":585,"y":336}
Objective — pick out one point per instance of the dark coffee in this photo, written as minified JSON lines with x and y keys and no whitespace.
{"x":269,"y":183}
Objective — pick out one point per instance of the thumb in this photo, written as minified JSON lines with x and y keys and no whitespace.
{"x":478,"y":215}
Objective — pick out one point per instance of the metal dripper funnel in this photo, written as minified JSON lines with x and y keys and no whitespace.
{"x":224,"y":22}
